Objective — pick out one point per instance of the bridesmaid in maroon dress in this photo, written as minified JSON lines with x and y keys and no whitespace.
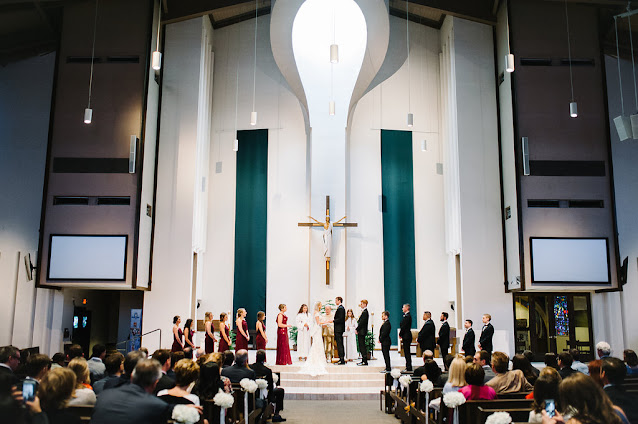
{"x":189,"y":345}
{"x":261,"y":339}
{"x":209,"y":345}
{"x":242,"y":336}
{"x":283,"y":347}
{"x":177,"y":335}
{"x":224,"y":333}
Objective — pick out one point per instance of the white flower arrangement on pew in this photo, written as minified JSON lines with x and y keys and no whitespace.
{"x":453,"y":399}
{"x":261,"y":383}
{"x":395,"y":373}
{"x":275,"y":378}
{"x":405,"y":381}
{"x":426,"y":386}
{"x":224,"y":400}
{"x":248,"y":385}
{"x":499,"y":418}
{"x":185,"y":414}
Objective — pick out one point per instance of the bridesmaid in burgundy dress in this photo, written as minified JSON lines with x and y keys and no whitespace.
{"x":283,"y":347}
{"x":177,"y":335}
{"x":209,"y":345}
{"x":261,"y":339}
{"x":224,"y":333}
{"x":189,"y":346}
{"x":242,"y":336}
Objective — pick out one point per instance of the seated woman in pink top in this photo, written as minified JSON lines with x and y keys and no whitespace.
{"x":476,"y":388}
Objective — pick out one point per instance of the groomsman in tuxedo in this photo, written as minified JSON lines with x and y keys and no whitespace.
{"x":468,"y":339}
{"x":362,"y":330}
{"x":485,"y":340}
{"x":384,"y":338}
{"x":427,"y":336}
{"x":340,"y":328}
{"x":444,"y":335}
{"x":405,"y":334}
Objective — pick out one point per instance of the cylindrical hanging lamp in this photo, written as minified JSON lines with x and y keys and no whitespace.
{"x":573,"y":109}
{"x":509,"y":63}
{"x":410,"y":120}
{"x":88,"y":115}
{"x":253,"y":118}
{"x":334,"y":53}
{"x":236,"y":145}
{"x":331,"y":107}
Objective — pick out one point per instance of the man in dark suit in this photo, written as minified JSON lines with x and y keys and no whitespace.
{"x":485,"y":340}
{"x":275,"y":394}
{"x":405,"y":334}
{"x":482,"y":358}
{"x":134,"y":403}
{"x":565,"y":365}
{"x":384,"y":338}
{"x":163,"y":356}
{"x":469,"y":339}
{"x":114,"y":364}
{"x":362,"y":331}
{"x":444,"y":335}
{"x":427,"y":336}
{"x":130,"y":362}
{"x":340,"y":327}
{"x":9,"y":361}
{"x":613,"y":372}
{"x":240,"y":370}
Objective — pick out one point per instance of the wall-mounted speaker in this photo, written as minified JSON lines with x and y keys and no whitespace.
{"x":623,"y":127}
{"x":131,"y":155}
{"x":525,"y":149}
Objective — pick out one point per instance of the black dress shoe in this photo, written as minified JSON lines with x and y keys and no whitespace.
{"x":363,"y":364}
{"x":341,"y":363}
{"x":278,"y":419}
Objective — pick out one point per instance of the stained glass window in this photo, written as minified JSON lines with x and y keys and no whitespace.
{"x":561,"y":316}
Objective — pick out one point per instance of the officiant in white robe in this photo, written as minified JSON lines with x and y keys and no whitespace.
{"x":350,"y":336}
{"x":304,"y":323}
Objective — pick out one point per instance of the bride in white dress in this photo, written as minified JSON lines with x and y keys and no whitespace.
{"x":316,"y":362}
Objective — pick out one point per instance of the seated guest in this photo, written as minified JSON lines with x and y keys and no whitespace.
{"x":186,"y":372}
{"x":520,"y":362}
{"x":456,"y":376}
{"x":97,"y":369}
{"x":565,"y":365}
{"x":134,"y":403}
{"x":144,"y":351}
{"x":586,"y":401}
{"x":631,"y":360}
{"x":58,"y":360}
{"x":594,"y":371}
{"x":546,"y":387}
{"x":84,"y":394}
{"x":275,"y":394}
{"x":430,"y":371}
{"x":530,"y":357}
{"x":210,"y":382}
{"x":240,"y":370}
{"x":163,"y":356}
{"x":9,"y":362}
{"x":114,"y":366}
{"x":175,"y":358}
{"x":75,"y":351}
{"x":54,"y":392}
{"x":37,"y":366}
{"x":130,"y":362}
{"x":476,"y":388}
{"x":482,"y":358}
{"x":469,"y":360}
{"x":551,"y":360}
{"x":507,"y":381}
{"x":428,"y":354}
{"x":613,"y":372}
{"x":447,"y":361}
{"x":603,"y":349}
{"x":576,"y":364}
{"x":229,"y":359}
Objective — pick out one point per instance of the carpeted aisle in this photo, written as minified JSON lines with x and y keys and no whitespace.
{"x":335,"y":411}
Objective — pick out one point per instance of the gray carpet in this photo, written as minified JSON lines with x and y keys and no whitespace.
{"x":335,"y":411}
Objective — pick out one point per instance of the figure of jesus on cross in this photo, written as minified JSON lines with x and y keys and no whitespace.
{"x":327,"y":234}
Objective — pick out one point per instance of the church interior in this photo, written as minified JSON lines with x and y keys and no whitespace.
{"x":165,"y":158}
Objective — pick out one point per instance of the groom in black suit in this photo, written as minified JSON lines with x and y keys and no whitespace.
{"x":362,"y":330}
{"x":405,"y":334}
{"x":340,"y":327}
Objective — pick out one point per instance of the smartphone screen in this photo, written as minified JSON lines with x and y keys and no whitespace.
{"x":550,"y":407}
{"x":28,"y":390}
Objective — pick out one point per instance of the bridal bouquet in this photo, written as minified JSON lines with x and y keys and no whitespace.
{"x":249,"y":385}
{"x":499,"y":418}
{"x":185,"y":414}
{"x":224,"y":400}
{"x":405,"y":380}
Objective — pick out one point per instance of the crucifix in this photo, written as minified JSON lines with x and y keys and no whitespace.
{"x":327,"y":233}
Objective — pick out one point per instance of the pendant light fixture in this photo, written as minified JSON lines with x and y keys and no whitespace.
{"x":622,"y":122}
{"x":157,"y":55}
{"x":253,"y":114}
{"x":88,"y":112}
{"x":573,"y":106}
{"x":407,"y":37}
{"x":509,"y":57}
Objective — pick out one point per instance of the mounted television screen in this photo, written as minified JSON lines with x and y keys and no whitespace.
{"x":87,"y":258}
{"x":570,"y":260}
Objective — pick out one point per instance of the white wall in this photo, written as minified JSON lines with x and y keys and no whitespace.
{"x":28,"y":317}
{"x":474,"y":105}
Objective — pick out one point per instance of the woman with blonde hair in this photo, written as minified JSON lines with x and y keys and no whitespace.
{"x":54,"y":392}
{"x":241,"y":336}
{"x":186,"y":373}
{"x":83,"y":395}
{"x":455,"y":380}
{"x":209,"y":343}
{"x":224,"y":333}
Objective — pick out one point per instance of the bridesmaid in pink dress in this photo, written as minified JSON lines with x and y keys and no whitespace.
{"x":283,"y":347}
{"x":242,"y":336}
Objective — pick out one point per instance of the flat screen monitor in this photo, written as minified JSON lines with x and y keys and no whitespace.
{"x":87,"y":257}
{"x":570,"y":260}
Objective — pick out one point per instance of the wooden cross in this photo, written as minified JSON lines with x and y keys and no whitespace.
{"x":327,"y":237}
